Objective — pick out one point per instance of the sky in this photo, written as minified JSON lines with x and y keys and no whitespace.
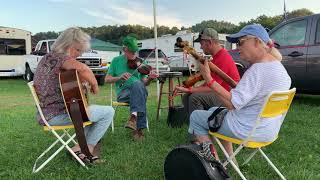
{"x":57,"y":15}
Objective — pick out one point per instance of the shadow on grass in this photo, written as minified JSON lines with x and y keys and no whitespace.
{"x":8,"y":78}
{"x":311,"y":100}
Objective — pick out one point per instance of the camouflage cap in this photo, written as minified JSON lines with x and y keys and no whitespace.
{"x":131,"y":43}
{"x":207,"y":33}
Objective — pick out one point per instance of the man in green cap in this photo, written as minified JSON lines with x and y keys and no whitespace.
{"x":130,"y":85}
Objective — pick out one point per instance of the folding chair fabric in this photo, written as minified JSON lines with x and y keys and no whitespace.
{"x":277,"y":103}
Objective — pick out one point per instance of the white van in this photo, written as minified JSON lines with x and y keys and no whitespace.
{"x":14,"y":44}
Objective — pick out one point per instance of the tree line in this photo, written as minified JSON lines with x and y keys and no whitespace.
{"x":115,"y":33}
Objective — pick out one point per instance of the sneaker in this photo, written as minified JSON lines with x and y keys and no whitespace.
{"x":208,"y":151}
{"x":137,"y":135}
{"x":132,"y":122}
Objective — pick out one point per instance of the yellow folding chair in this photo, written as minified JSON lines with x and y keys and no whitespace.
{"x":60,"y":138}
{"x":277,"y":103}
{"x":115,"y":105}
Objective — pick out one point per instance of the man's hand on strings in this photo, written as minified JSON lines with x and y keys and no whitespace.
{"x":125,"y":76}
{"x":153,"y":75}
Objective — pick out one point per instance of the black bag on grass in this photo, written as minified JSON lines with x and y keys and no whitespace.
{"x":184,"y":163}
{"x":176,"y":116}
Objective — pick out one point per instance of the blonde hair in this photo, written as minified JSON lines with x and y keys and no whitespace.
{"x":272,"y":50}
{"x":269,"y":47}
{"x":70,"y":36}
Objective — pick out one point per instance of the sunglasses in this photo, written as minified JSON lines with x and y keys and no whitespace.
{"x":242,"y":40}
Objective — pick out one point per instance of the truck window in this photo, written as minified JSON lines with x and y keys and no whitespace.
{"x":291,"y":34}
{"x":50,"y":45}
{"x":318,"y":32}
{"x":43,"y":47}
{"x":143,"y":53}
{"x":12,"y":46}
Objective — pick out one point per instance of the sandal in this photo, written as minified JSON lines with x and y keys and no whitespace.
{"x":81,"y":156}
{"x":96,"y":160}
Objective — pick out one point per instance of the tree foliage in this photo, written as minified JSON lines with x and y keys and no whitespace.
{"x":115,"y":33}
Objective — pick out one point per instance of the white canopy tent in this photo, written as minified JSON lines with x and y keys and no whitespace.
{"x":156,"y":43}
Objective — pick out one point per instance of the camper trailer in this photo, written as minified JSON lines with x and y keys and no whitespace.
{"x":178,"y":61}
{"x":14,"y":43}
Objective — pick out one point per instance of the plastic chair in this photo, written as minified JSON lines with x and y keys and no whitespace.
{"x":60,"y":138}
{"x":115,"y":105}
{"x":277,"y":103}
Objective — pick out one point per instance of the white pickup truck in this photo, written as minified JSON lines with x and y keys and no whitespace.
{"x":98,"y":65}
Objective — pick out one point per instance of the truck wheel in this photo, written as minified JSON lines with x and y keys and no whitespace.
{"x":28,"y":74}
{"x":100,"y":80}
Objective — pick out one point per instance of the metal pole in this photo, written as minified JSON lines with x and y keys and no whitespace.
{"x":156,"y":43}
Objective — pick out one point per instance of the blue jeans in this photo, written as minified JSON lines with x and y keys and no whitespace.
{"x":199,"y":124}
{"x":136,"y":95}
{"x":101,"y":116}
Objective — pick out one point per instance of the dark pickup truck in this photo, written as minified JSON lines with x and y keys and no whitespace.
{"x":298,"y":40}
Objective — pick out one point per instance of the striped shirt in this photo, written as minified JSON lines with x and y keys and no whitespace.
{"x":249,"y":96}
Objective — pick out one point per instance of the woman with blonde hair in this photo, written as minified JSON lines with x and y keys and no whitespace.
{"x":243,"y":103}
{"x":68,"y":46}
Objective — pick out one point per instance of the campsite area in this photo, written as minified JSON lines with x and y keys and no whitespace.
{"x":295,"y":153}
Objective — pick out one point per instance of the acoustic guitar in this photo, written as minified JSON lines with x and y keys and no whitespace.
{"x":76,"y":104}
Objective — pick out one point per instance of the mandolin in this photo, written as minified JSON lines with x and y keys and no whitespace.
{"x":191,"y":81}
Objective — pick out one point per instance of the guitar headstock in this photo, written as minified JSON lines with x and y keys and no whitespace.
{"x":187,"y":48}
{"x":184,"y":45}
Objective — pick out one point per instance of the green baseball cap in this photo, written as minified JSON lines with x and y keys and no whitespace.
{"x":207,"y":33}
{"x":131,"y":43}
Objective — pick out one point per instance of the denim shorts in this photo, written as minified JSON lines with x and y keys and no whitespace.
{"x":199,"y":124}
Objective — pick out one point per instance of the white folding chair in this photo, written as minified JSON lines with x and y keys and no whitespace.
{"x":60,"y":138}
{"x":115,"y":105}
{"x":276,"y":104}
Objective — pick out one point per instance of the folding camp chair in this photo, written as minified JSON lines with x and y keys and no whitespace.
{"x":53,"y":130}
{"x":276,"y":104}
{"x":115,"y":105}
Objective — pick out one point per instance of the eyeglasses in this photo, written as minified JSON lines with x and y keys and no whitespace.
{"x":242,"y":40}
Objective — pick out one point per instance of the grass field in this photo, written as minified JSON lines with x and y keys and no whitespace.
{"x":296,"y":153}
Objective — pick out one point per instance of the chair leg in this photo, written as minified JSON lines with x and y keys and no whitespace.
{"x":250,"y":157}
{"x":229,"y":159}
{"x":114,"y":117}
{"x":148,"y":125}
{"x":67,"y":133}
{"x":64,"y":145}
{"x":271,"y":164}
{"x":34,"y":170}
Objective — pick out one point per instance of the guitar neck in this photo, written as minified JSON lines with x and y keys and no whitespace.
{"x":214,"y":68}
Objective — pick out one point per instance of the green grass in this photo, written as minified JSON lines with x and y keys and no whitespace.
{"x":296,"y":153}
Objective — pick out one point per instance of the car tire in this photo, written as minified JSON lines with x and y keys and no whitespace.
{"x":28,"y":74}
{"x":100,"y":80}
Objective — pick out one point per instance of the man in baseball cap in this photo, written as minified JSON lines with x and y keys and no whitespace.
{"x":131,"y":43}
{"x":207,"y":33}
{"x":201,"y":97}
{"x":131,"y":86}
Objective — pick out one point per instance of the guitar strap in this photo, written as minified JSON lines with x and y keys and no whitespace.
{"x":78,"y":126}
